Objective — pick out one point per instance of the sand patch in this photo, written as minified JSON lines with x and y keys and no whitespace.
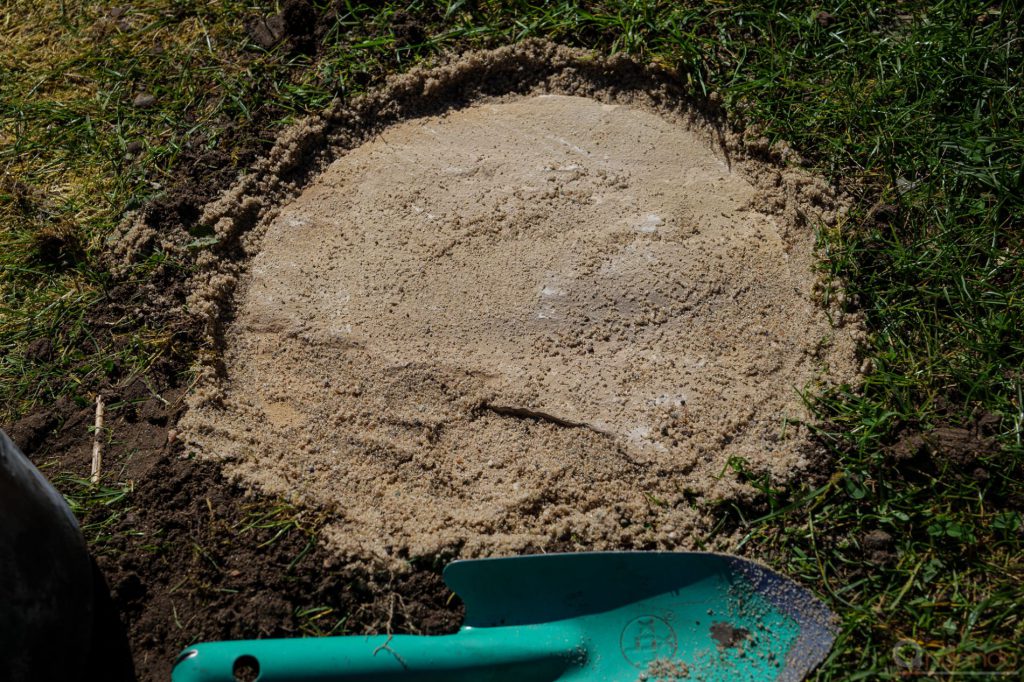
{"x":533,"y":322}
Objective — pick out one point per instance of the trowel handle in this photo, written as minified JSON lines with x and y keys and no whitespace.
{"x":512,"y":653}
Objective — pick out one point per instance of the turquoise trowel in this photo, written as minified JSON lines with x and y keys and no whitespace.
{"x":604,"y":616}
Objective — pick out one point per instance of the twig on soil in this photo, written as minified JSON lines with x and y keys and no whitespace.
{"x":97,"y":442}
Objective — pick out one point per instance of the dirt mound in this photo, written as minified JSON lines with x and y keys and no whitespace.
{"x":541,"y":320}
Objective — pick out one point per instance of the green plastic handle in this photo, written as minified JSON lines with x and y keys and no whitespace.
{"x":499,"y":654}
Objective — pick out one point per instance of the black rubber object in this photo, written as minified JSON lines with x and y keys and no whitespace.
{"x":46,"y":577}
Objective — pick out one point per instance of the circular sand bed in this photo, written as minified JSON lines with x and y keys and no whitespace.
{"x":539,"y":321}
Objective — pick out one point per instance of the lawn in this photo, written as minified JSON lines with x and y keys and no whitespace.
{"x":915,"y":535}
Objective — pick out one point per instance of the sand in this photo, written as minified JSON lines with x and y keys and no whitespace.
{"x":536,"y":322}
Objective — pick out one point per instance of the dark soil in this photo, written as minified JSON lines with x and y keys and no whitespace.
{"x":187,"y":560}
{"x":944,"y":447}
{"x":296,"y":23}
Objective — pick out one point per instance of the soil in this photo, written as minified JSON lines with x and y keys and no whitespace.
{"x":943,"y":446}
{"x":184,"y":563}
{"x":296,"y":21}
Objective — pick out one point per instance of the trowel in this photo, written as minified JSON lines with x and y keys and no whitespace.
{"x":604,"y":616}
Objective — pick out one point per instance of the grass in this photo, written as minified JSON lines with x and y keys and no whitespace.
{"x":98,"y":507}
{"x":912,"y":107}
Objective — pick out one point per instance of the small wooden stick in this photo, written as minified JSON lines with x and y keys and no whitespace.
{"x":97,"y":442}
